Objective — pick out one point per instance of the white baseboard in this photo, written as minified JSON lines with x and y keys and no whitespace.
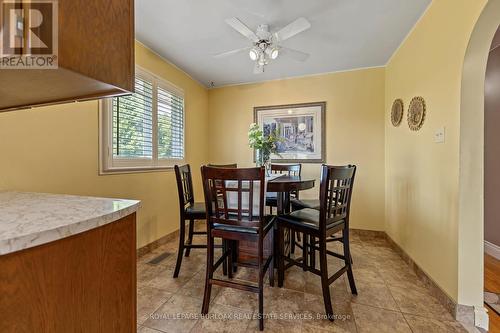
{"x":481,"y":318}
{"x":492,"y":249}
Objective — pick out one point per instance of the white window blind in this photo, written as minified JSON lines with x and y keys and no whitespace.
{"x":170,"y":124}
{"x":144,"y":130}
{"x":133,"y":122}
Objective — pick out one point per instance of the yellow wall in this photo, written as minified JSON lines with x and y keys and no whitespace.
{"x":354,"y":129}
{"x":422,"y":183}
{"x":55,"y":149}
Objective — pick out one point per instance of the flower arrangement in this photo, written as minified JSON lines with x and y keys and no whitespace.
{"x":264,"y":145}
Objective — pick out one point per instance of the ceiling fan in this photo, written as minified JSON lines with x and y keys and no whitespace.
{"x":265,"y":44}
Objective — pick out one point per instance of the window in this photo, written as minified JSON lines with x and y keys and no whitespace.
{"x":144,"y":130}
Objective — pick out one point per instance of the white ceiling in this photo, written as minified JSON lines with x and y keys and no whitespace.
{"x":345,"y":34}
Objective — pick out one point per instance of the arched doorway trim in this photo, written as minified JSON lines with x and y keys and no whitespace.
{"x":471,"y":183}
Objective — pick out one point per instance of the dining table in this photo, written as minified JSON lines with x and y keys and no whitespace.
{"x":282,"y":186}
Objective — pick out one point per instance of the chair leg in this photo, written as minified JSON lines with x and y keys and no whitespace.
{"x":292,"y":241}
{"x":312,"y":252}
{"x":305,"y":244}
{"x":224,"y":263}
{"x":261,"y":285}
{"x":190,"y":237}
{"x":348,"y":261}
{"x":235,"y":256}
{"x":279,"y":257}
{"x":209,"y":275}
{"x":324,"y":280}
{"x":271,"y":273}
{"x":230,"y":245}
{"x":271,"y":264}
{"x":180,"y":250}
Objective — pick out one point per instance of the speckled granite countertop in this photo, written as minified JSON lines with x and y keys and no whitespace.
{"x":31,"y":219}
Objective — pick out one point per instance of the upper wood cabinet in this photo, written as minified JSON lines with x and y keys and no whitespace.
{"x":95,"y":56}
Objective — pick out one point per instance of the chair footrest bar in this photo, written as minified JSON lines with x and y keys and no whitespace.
{"x":221,"y":259}
{"x":337,"y":275}
{"x":340,"y":256}
{"x":235,"y":285}
{"x":292,"y":262}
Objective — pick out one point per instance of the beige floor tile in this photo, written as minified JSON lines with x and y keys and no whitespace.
{"x":419,"y":302}
{"x":179,"y":314}
{"x":428,"y":325}
{"x":223,"y":319}
{"x":282,"y":301}
{"x":144,"y":329}
{"x":315,"y":308}
{"x":237,"y":298}
{"x":386,"y":286}
{"x":276,"y":326}
{"x":148,"y":300}
{"x":374,"y":320}
{"x":374,"y":294}
{"x":195,"y":287}
{"x":338,"y":289}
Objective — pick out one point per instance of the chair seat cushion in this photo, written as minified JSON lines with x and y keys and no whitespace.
{"x":305,"y":203}
{"x":306,"y":217}
{"x":271,"y":200}
{"x":196,"y":209}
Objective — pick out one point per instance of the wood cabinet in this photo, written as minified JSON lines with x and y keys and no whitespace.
{"x":82,"y":283}
{"x":95,"y":57}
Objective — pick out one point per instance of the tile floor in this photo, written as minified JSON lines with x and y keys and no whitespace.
{"x":390,"y":297}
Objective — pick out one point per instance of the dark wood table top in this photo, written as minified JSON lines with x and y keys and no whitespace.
{"x":290,"y":183}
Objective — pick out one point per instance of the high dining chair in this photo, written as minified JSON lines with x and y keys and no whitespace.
{"x":234,"y":201}
{"x":235,"y":251}
{"x":284,"y":169}
{"x":272,"y":198}
{"x":230,"y":165}
{"x":317,"y":226}
{"x":188,"y":211}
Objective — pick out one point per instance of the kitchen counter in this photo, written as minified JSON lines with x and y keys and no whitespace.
{"x":32,"y":219}
{"x":67,"y":262}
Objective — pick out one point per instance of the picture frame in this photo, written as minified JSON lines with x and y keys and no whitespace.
{"x":302,"y":128}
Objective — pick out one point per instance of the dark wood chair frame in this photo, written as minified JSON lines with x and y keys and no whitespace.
{"x":289,"y":170}
{"x":335,"y":198}
{"x":230,"y":225}
{"x":186,"y":200}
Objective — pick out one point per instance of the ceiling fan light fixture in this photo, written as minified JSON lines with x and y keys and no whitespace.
{"x":254,"y":54}
{"x":273,"y":52}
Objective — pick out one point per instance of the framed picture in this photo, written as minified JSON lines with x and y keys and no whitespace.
{"x":301,"y":127}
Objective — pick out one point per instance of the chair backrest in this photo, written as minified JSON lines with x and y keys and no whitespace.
{"x":286,"y":169}
{"x":335,"y":194}
{"x":230,"y":194}
{"x":184,"y":185}
{"x":231,"y":165}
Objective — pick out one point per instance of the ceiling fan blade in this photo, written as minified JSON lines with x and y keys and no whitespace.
{"x":258,"y":69}
{"x":297,"y":26}
{"x":232,"y":52}
{"x":239,"y":26}
{"x":295,"y":54}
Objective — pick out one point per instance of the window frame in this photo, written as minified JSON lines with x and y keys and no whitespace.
{"x":111,"y":164}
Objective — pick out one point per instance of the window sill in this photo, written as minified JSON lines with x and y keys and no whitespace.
{"x":127,"y":170}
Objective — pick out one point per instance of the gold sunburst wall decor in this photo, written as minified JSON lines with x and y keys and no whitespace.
{"x":416,"y":113}
{"x":397,"y":112}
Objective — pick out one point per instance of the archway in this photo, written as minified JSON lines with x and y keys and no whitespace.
{"x":471,"y":184}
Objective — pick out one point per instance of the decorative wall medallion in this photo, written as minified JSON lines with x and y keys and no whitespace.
{"x":416,"y":113}
{"x":397,"y":112}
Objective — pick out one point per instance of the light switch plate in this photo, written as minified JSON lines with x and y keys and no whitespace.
{"x":439,"y":135}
